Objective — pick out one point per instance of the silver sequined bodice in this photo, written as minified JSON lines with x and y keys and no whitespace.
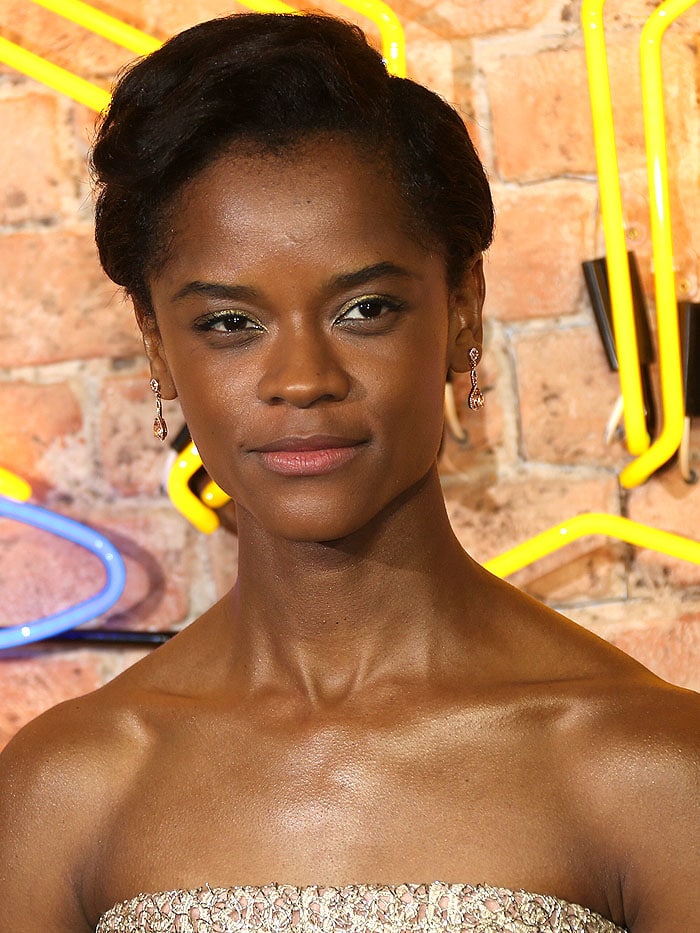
{"x":409,"y":908}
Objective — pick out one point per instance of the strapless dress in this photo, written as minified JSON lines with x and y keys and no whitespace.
{"x":362,"y":908}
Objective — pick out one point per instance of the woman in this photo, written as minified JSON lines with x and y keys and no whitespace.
{"x":368,"y":710}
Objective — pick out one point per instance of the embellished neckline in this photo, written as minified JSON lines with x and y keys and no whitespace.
{"x":354,"y":908}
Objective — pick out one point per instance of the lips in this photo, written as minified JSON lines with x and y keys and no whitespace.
{"x":313,"y":455}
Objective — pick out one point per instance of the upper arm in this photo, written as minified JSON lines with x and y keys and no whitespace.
{"x":660,"y":852}
{"x":44,"y":821}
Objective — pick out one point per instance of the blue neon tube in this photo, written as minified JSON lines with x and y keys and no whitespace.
{"x":88,"y":538}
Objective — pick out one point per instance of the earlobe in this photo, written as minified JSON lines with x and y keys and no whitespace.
{"x":153,"y":346}
{"x":466,"y":329}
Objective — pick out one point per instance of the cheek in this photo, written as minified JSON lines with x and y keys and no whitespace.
{"x":213,"y":406}
{"x":415,"y":405}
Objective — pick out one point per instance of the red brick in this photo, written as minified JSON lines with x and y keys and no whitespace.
{"x":566,"y":395}
{"x":39,"y":422}
{"x":543,"y":232}
{"x":620,"y":14}
{"x":668,"y":503}
{"x":57,"y":304}
{"x":134,"y":460}
{"x":541,"y":109}
{"x":30,"y":685}
{"x":173,"y":16}
{"x":541,"y":119}
{"x":662,"y":632}
{"x":430,"y":60}
{"x":157,"y":545}
{"x":670,"y":648}
{"x":30,"y":162}
{"x":476,"y":18}
{"x":463,"y":96}
{"x":489,"y":519}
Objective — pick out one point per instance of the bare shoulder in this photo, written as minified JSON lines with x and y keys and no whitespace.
{"x":65,"y":780}
{"x":61,"y":778}
{"x":635,"y":766}
{"x":628,"y":745}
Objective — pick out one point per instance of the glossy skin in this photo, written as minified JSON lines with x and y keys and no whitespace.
{"x":367,"y":704}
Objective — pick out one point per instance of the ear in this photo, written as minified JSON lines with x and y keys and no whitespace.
{"x":466,"y":328}
{"x":153,"y":344}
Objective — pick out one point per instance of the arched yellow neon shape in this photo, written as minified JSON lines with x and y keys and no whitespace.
{"x":613,"y":226}
{"x":669,"y":440}
{"x":102,"y":24}
{"x":593,"y":523}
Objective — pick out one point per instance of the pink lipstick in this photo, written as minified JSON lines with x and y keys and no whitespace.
{"x":307,"y":456}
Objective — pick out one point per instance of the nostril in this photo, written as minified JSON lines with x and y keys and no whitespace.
{"x":303,"y":377}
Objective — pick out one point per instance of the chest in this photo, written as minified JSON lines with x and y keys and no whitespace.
{"x":338,"y":805}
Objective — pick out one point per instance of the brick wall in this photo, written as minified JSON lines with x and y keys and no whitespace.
{"x":73,"y":384}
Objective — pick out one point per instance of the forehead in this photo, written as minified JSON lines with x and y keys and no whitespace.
{"x":322,"y":198}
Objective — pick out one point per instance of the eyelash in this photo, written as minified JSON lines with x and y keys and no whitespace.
{"x":209,"y":323}
{"x":377,"y":301}
{"x":380,"y":303}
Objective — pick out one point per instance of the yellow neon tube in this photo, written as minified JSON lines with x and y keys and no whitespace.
{"x":390,"y":28}
{"x":214,"y":496}
{"x":268,"y":6}
{"x":669,"y":440}
{"x":102,"y":24}
{"x":613,"y":226}
{"x":13,"y":486}
{"x":182,"y":497}
{"x":393,"y":39}
{"x":393,"y":43}
{"x":65,"y":82}
{"x":593,"y":523}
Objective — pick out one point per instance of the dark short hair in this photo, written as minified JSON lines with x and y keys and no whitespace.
{"x":272,"y":80}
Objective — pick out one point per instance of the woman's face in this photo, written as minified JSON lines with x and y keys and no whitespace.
{"x":308,"y":336}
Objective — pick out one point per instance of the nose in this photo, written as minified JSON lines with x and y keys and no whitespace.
{"x":302,"y":369}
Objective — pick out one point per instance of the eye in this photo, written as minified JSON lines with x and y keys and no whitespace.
{"x":367,"y":308}
{"x":228,"y":322}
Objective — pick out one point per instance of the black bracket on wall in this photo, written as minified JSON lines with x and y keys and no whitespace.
{"x":595,"y":272}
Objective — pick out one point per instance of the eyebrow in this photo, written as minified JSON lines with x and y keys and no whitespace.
{"x":216,"y":290}
{"x":362,"y":276}
{"x":339,"y":282}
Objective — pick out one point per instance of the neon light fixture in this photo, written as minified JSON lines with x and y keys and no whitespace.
{"x":141,"y":43}
{"x":15,"y":635}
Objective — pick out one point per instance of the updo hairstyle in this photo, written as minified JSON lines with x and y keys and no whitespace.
{"x":270,"y":81}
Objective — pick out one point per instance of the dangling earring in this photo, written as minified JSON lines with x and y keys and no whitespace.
{"x":476,"y":396}
{"x":160,"y":428}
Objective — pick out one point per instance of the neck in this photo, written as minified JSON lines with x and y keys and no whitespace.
{"x":331,"y":618}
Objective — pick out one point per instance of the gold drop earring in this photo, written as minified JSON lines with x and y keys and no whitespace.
{"x":476,"y":396}
{"x":160,"y":428}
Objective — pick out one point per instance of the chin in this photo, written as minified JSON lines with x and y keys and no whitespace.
{"x":319,"y":529}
